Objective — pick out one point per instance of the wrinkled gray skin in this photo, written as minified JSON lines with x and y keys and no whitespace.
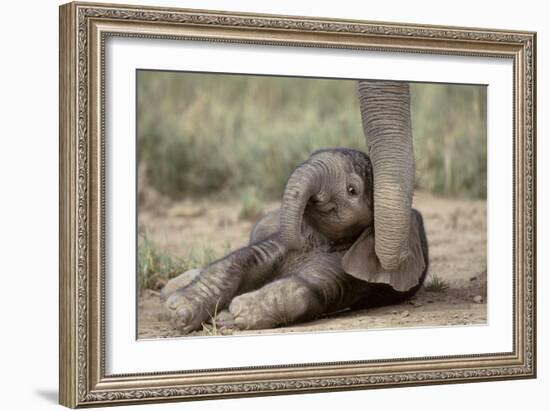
{"x":385,"y":111}
{"x":294,"y":268}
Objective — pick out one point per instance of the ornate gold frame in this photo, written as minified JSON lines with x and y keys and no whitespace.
{"x":83,"y":30}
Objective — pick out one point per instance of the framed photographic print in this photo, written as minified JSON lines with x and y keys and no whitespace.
{"x":260,"y":204}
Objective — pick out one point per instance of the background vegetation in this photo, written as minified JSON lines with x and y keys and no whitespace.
{"x":241,"y":136}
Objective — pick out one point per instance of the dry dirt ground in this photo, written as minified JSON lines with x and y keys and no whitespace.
{"x":456,"y":230}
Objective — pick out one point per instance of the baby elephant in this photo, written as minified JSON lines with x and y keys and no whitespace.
{"x":312,"y":257}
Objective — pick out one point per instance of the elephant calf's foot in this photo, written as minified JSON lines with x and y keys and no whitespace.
{"x":249,"y":313}
{"x":200,"y":300}
{"x":188,"y":312}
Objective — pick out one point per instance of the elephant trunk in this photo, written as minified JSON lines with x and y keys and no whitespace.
{"x":304,"y":182}
{"x":385,"y":111}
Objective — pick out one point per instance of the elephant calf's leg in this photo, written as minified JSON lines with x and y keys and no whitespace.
{"x":176,"y":283}
{"x":281,"y":302}
{"x":319,"y":287}
{"x":215,"y":286}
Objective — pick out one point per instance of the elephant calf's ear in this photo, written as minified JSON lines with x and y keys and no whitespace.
{"x":360,"y":260}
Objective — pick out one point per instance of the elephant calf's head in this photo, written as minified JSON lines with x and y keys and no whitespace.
{"x":333,"y":191}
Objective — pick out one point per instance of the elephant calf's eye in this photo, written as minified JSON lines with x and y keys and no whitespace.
{"x":351,"y":190}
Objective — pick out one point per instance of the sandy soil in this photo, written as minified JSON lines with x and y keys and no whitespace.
{"x":456,"y":232}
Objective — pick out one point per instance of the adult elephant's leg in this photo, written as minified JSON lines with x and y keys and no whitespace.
{"x":319,"y":287}
{"x":217,"y":284}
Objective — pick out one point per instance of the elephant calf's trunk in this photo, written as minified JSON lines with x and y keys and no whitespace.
{"x":301,"y":186}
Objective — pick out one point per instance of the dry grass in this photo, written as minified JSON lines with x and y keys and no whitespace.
{"x":436,"y":284}
{"x":155,"y":267}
